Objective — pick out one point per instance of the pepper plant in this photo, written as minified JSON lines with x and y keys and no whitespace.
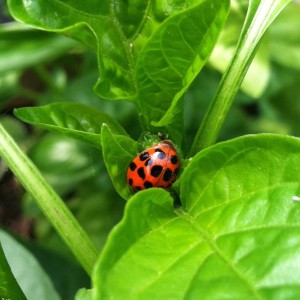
{"x":233,"y":233}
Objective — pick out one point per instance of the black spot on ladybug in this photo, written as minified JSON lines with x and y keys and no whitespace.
{"x":174,"y":159}
{"x":132,"y":166}
{"x":144,"y":156}
{"x":148,"y":185}
{"x":141,"y":172}
{"x":130,"y":181}
{"x":167,"y":175}
{"x":156,"y":170}
{"x":148,"y":162}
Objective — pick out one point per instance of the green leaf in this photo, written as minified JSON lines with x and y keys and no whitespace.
{"x":9,"y":83}
{"x":128,"y":38}
{"x":64,"y":162}
{"x":118,"y":151}
{"x":173,"y":57}
{"x":18,"y":42}
{"x":99,"y":26}
{"x":9,"y":288}
{"x":117,"y":31}
{"x":74,"y":120}
{"x":66,"y":275}
{"x":27,"y":271}
{"x":102,"y":209}
{"x":84,"y":294}
{"x":236,"y":235}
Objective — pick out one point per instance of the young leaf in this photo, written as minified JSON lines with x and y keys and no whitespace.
{"x":235,"y":236}
{"x":173,"y":57}
{"x":118,"y":151}
{"x":72,"y":119}
{"x":27,"y":271}
{"x":128,"y":38}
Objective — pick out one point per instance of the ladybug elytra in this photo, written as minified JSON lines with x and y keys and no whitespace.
{"x":156,"y":166}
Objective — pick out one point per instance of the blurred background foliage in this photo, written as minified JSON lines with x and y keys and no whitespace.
{"x":38,"y":68}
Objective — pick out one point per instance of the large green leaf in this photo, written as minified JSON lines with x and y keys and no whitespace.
{"x":72,"y":119}
{"x":236,"y":235}
{"x":33,"y":280}
{"x":173,"y":57}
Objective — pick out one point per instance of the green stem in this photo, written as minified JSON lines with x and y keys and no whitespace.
{"x":49,"y":202}
{"x":259,"y":16}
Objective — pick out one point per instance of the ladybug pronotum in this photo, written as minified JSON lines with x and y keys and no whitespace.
{"x":156,"y":166}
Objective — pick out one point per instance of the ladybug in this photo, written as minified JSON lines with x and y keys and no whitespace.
{"x":156,"y":166}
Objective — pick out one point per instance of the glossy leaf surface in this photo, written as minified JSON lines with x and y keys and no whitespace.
{"x":73,"y":119}
{"x":148,"y":52}
{"x":118,"y":151}
{"x":236,"y":232}
{"x":174,"y":56}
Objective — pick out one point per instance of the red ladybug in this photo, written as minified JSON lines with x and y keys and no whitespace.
{"x":156,"y":166}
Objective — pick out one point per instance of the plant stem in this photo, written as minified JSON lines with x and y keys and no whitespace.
{"x":259,"y":16}
{"x":49,"y":202}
